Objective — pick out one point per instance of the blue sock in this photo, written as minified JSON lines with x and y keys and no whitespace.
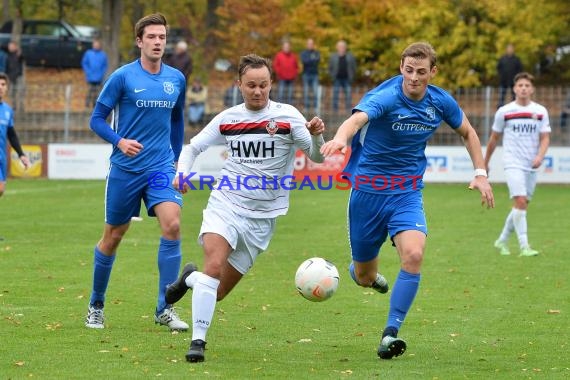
{"x":169,"y":259}
{"x":403,"y":294}
{"x":101,"y":273}
{"x":351,"y":271}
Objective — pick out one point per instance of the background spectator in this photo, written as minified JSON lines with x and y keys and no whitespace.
{"x":286,"y":69}
{"x":15,"y":72}
{"x":197,"y":96}
{"x":565,"y":112}
{"x":3,"y":59}
{"x":181,"y":59}
{"x":342,"y":70}
{"x":310,"y":58}
{"x":508,"y":66}
{"x":94,"y":64}
{"x":232,"y":96}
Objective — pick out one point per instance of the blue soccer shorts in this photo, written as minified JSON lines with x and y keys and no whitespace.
{"x":3,"y":170}
{"x":125,"y":190}
{"x":372,"y":216}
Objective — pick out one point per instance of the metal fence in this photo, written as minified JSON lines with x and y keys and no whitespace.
{"x":56,"y":113}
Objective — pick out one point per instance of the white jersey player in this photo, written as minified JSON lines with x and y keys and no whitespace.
{"x":261,"y":137}
{"x":525,"y":127}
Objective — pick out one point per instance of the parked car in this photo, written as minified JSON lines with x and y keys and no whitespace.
{"x":49,"y":43}
{"x":88,"y":31}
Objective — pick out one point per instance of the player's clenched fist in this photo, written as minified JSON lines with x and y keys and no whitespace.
{"x":316,"y":126}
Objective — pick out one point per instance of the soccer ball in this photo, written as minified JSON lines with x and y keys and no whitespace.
{"x":316,"y":279}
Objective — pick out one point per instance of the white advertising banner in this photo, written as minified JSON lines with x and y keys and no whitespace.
{"x":452,"y":164}
{"x":78,"y":161}
{"x":444,"y":164}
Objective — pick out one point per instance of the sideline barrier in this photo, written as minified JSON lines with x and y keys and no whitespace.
{"x":445,"y":164}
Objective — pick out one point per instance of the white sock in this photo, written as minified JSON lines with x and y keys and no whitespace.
{"x":508,"y":227}
{"x":203,"y":305}
{"x":192,"y":278}
{"x":519,"y":221}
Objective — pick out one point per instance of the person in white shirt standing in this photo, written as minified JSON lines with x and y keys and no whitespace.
{"x":261,"y":137}
{"x":525,"y":127}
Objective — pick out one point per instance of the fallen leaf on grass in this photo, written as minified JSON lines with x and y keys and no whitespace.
{"x":19,"y":363}
{"x":304,"y":340}
{"x":553,"y":311}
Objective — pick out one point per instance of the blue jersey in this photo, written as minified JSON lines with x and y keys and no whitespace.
{"x":388,"y":153}
{"x":143,"y":105}
{"x":6,"y":121}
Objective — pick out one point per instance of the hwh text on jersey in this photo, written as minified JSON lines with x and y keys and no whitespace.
{"x":252,"y":148}
{"x":528,"y":128}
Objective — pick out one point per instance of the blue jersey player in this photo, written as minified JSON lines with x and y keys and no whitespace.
{"x":147,"y":130}
{"x":7,"y":131}
{"x":389,"y":129}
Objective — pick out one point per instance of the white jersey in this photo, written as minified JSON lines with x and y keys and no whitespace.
{"x":521,"y":127}
{"x":260,"y":145}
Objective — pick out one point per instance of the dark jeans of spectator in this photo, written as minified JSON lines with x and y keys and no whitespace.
{"x":285,"y":91}
{"x":92,"y":94}
{"x":503,"y":94}
{"x":310,"y":91}
{"x":345,"y":86}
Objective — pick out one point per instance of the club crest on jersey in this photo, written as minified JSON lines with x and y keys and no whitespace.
{"x":272,"y":127}
{"x":168,"y":87}
{"x":430,"y":113}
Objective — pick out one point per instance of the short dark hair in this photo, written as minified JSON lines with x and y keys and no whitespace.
{"x":420,"y":50}
{"x":152,"y":19}
{"x":524,"y":75}
{"x":4,"y":76}
{"x":253,"y":61}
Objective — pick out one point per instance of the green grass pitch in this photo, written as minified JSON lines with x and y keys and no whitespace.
{"x":477,"y":314}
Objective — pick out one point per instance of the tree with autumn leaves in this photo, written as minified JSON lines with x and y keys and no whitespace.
{"x":468,"y":35}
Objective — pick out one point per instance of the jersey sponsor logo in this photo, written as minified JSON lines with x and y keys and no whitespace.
{"x":524,"y":128}
{"x":272,"y":127}
{"x":412,"y":127}
{"x":155,"y":104}
{"x":137,"y":90}
{"x":261,"y":127}
{"x":400,"y":117}
{"x":256,"y":149}
{"x":168,"y":87}
{"x":436,"y":163}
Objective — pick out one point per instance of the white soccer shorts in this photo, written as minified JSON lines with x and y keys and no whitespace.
{"x":520,"y":182}
{"x":248,"y":237}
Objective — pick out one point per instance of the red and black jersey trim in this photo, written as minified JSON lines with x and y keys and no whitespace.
{"x":523,"y":115}
{"x":283,"y":128}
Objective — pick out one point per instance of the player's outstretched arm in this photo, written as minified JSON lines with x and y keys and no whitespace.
{"x":345,"y":133}
{"x":316,"y":127}
{"x":473,"y":145}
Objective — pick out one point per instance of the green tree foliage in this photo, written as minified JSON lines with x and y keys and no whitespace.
{"x":468,"y":35}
